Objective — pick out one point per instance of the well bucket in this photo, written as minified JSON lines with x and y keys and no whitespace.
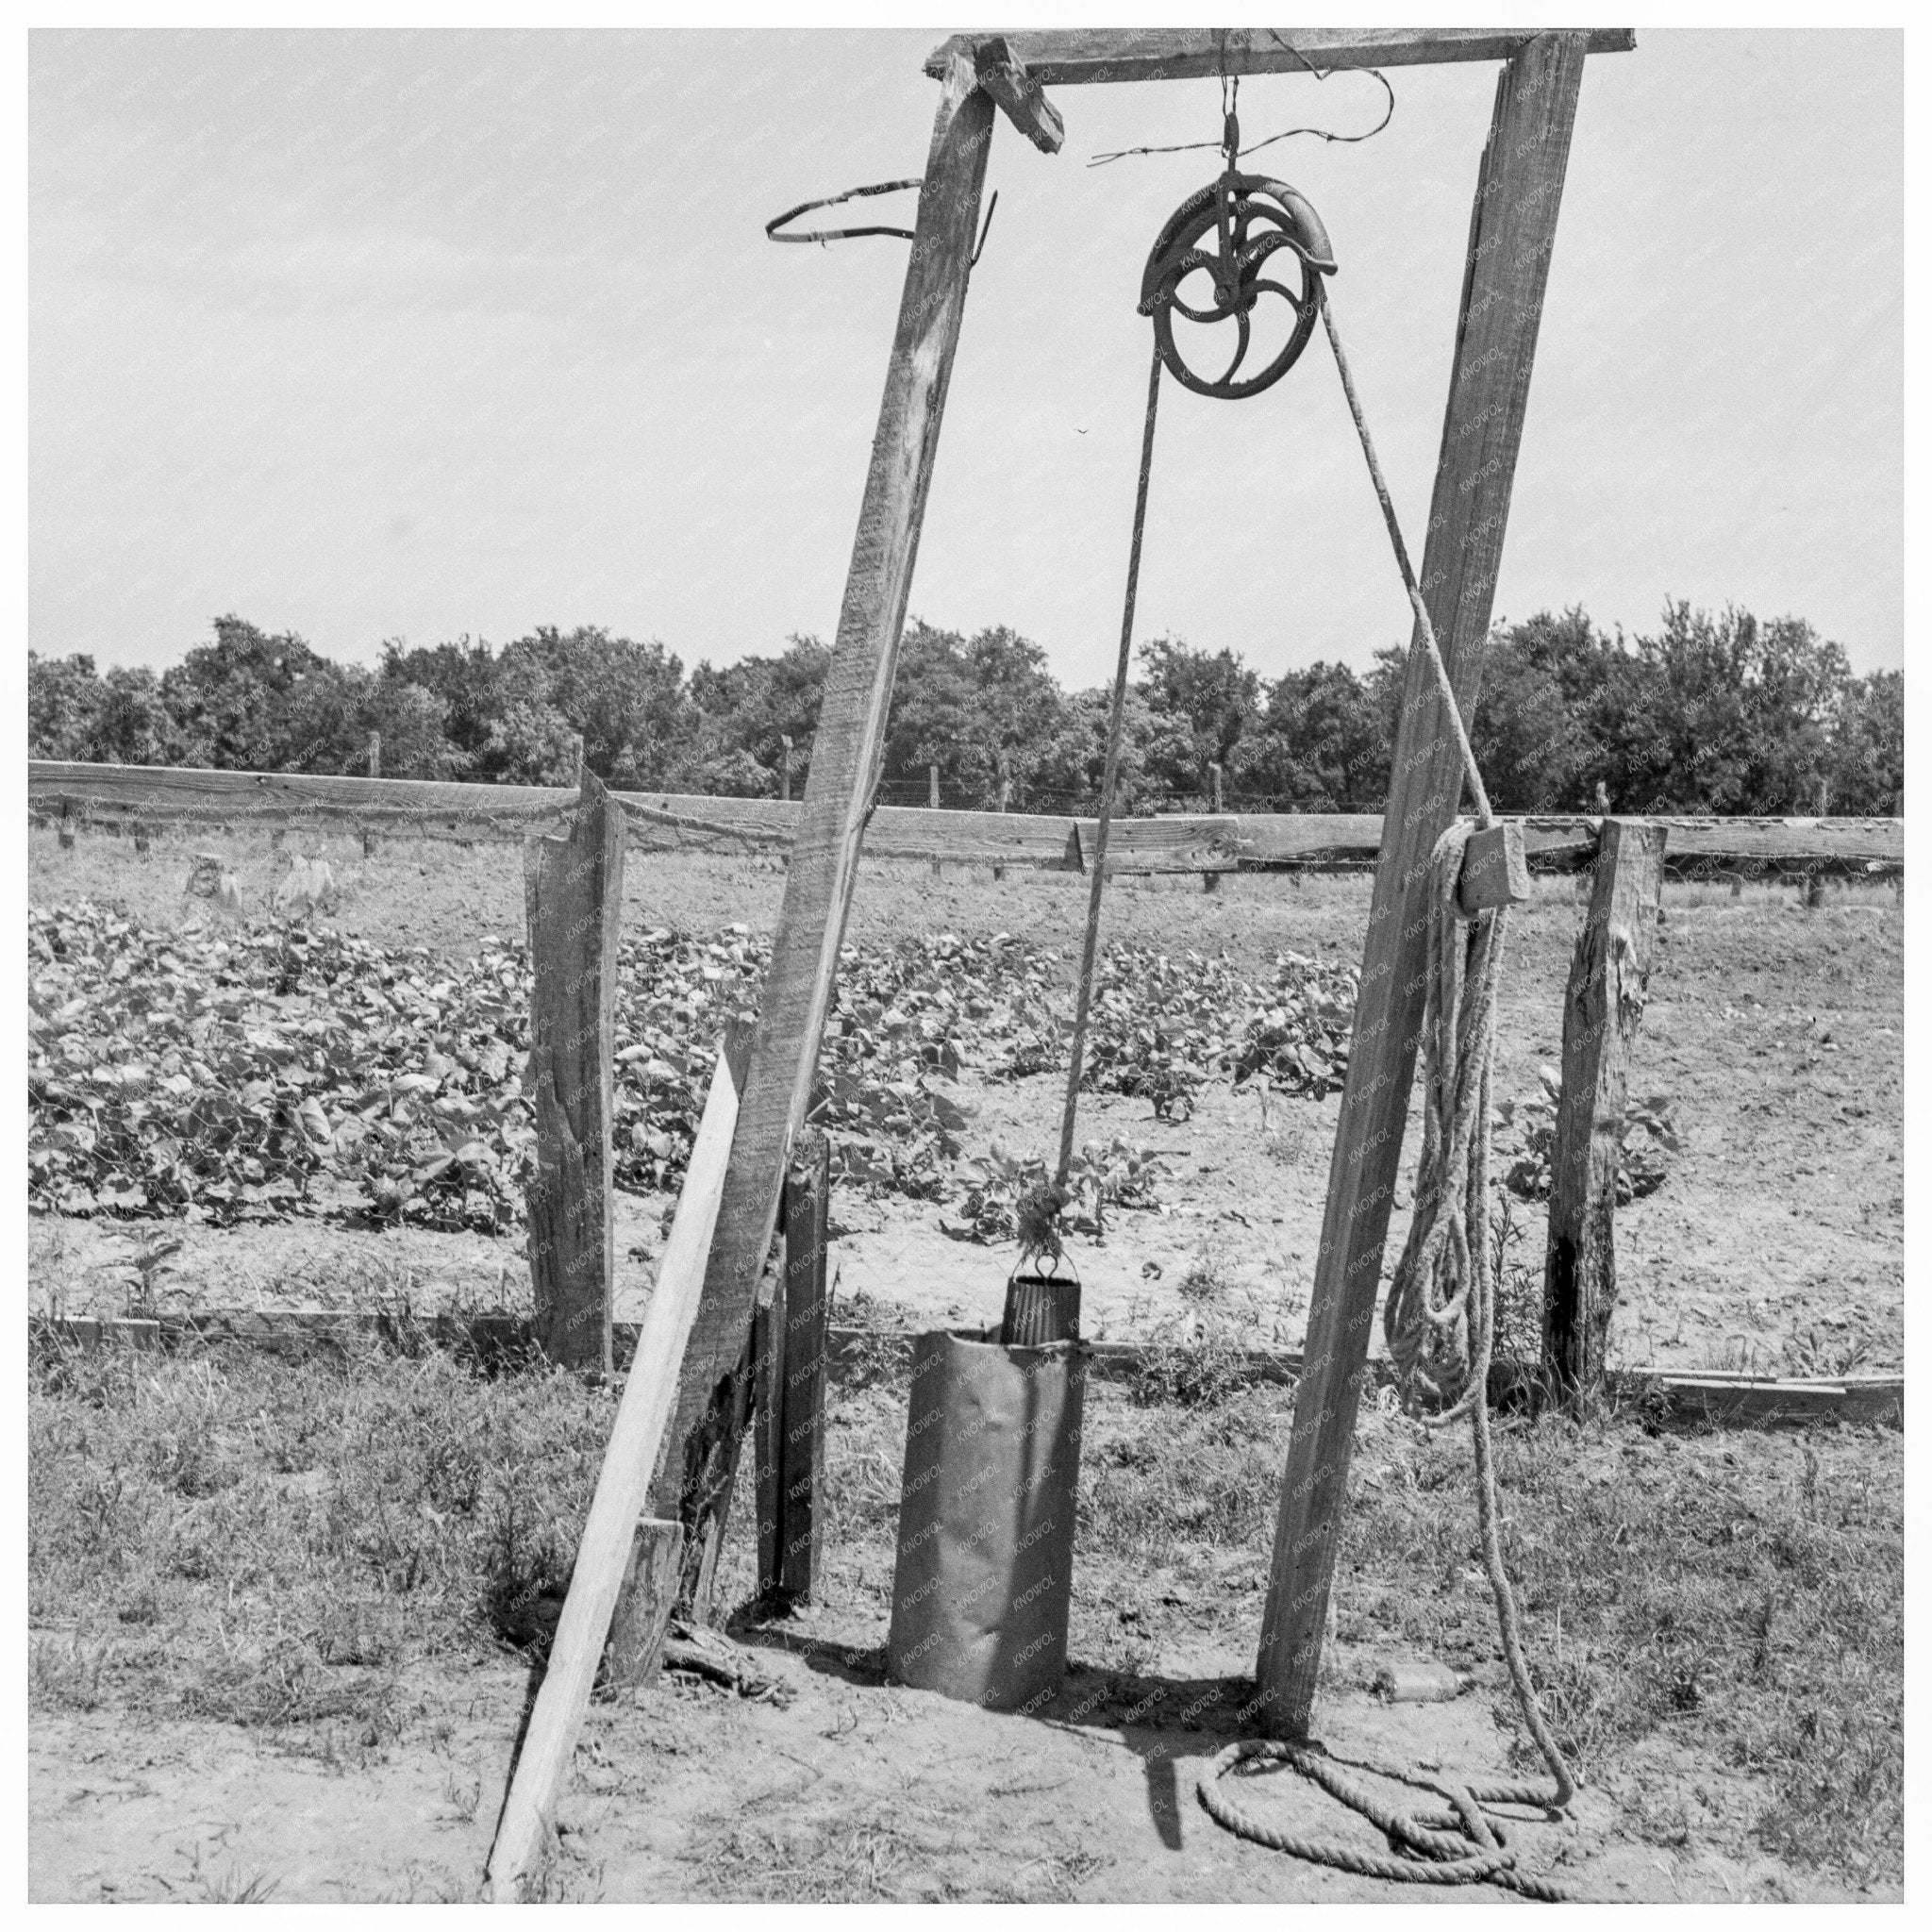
{"x":985,"y":1568}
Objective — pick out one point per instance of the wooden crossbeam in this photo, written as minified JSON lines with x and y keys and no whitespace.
{"x":1065,"y":56}
{"x":1519,"y":189}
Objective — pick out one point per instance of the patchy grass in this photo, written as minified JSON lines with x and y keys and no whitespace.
{"x":1733,"y":1602}
{"x":225,"y":1536}
{"x":1716,"y":1620}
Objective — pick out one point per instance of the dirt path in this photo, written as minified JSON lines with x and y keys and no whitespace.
{"x":849,"y":1791}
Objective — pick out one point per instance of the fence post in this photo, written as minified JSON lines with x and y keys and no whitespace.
{"x":1603,"y":1005}
{"x":573,"y":894}
{"x":785,"y":767}
{"x":374,"y":771}
{"x":932,"y":799}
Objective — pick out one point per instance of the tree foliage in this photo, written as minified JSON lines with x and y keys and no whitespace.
{"x":1723,"y":713}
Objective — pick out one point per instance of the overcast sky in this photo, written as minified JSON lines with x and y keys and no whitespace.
{"x":367,"y":335}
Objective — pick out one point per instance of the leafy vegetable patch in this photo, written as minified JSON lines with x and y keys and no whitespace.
{"x":254,"y":1074}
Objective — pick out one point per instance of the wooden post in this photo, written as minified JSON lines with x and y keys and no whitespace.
{"x":791,"y":1396}
{"x":824,"y":851}
{"x":376,"y":754}
{"x":1214,"y":787}
{"x":1813,"y":890}
{"x":574,"y":893}
{"x":768,"y":1373}
{"x":1603,"y":1005}
{"x":785,"y":766}
{"x":642,"y":1619}
{"x":65,"y":831}
{"x":141,"y":838}
{"x":611,"y":1549}
{"x":1518,"y":193}
{"x":999,"y":871}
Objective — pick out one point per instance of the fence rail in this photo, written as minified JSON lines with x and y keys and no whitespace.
{"x":1190,"y":842}
{"x":1705,"y":1395}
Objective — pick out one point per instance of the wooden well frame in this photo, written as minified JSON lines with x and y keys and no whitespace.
{"x":1512,"y":227}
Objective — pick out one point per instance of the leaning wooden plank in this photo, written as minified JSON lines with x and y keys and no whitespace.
{"x":1519,"y":189}
{"x":846,"y":752}
{"x":574,"y":897}
{"x":604,"y":1551}
{"x":1603,"y":1007}
{"x":1069,"y":55}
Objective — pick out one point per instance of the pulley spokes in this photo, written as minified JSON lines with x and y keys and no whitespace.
{"x":1231,"y":231}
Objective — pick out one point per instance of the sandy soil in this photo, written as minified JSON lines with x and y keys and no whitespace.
{"x":850,"y":1790}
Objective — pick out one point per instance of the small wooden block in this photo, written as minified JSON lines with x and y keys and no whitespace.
{"x":1494,"y":870}
{"x":644,"y":1601}
{"x":1017,"y":95}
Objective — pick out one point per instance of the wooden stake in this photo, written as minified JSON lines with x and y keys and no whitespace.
{"x":644,"y":1598}
{"x":1518,"y":193}
{"x":376,"y":754}
{"x":768,"y":1372}
{"x":825,"y":852}
{"x":792,"y":1438}
{"x":1603,"y":1007}
{"x":608,"y":1547}
{"x":785,"y":767}
{"x":573,"y":892}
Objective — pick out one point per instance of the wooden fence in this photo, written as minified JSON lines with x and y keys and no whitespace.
{"x":113,"y":796}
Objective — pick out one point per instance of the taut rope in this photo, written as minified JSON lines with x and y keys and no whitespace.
{"x":1440,"y":1320}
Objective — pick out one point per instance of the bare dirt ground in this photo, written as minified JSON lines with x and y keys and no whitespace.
{"x":1776,"y":1243}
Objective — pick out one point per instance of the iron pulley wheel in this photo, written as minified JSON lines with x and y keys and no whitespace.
{"x":1252,"y":238}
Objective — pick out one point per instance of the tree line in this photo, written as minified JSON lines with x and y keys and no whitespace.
{"x":1722,"y":713}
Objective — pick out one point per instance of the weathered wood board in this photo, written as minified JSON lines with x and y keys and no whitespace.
{"x":574,"y":899}
{"x":1067,"y":56}
{"x":1603,"y":1008}
{"x":663,"y":821}
{"x":1512,"y":230}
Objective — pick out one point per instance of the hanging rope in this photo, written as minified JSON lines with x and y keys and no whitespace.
{"x":1115,"y":722}
{"x":1471,"y":770}
{"x":1440,"y":1322}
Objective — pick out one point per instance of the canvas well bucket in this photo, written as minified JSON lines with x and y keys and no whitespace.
{"x":985,"y":1568}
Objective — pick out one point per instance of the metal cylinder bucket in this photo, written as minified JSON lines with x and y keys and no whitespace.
{"x":985,"y":1568}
